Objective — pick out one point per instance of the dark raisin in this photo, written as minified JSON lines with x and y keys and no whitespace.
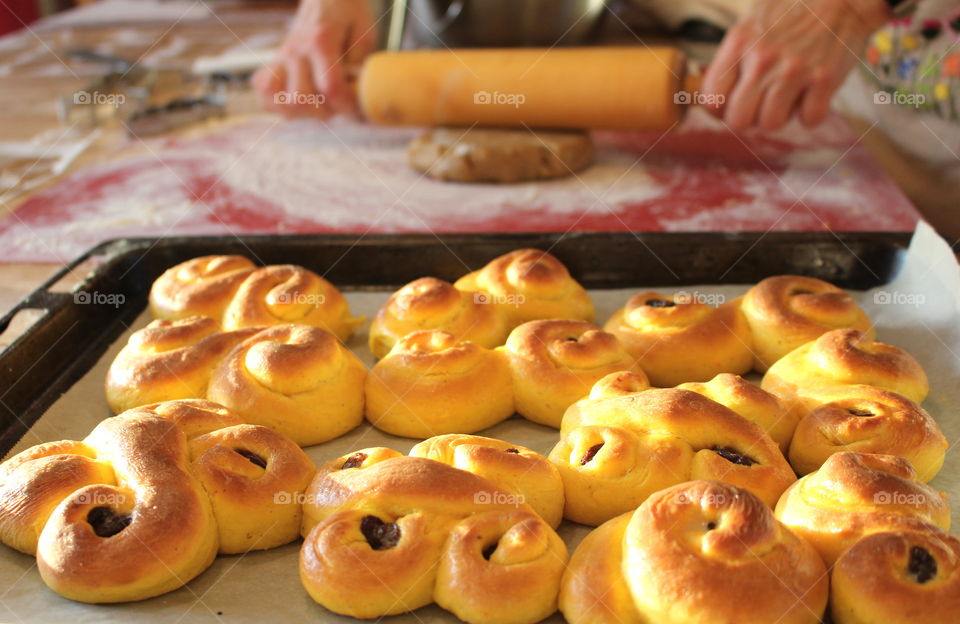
{"x":859,"y":413}
{"x":659,"y":303}
{"x":252,"y":457}
{"x":711,"y":526}
{"x":922,"y":564}
{"x":590,"y":454}
{"x":571,"y":338}
{"x":733,"y":456}
{"x":106,"y":522}
{"x":354,"y":461}
{"x":512,"y":450}
{"x":488,"y":551}
{"x":380,"y":535}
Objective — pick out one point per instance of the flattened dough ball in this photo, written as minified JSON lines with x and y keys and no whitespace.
{"x":499,"y":154}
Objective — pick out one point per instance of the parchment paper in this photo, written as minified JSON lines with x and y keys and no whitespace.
{"x":919,"y":311}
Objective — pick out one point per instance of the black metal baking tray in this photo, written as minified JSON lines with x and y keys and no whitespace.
{"x":77,"y":327}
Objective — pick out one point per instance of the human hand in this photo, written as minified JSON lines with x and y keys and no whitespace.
{"x":313,"y":74}
{"x":785,"y":57}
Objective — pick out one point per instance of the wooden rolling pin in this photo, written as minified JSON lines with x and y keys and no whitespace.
{"x":614,"y":88}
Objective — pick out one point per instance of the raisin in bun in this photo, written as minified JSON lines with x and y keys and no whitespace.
{"x":855,"y":494}
{"x":787,"y":311}
{"x":840,"y":358}
{"x":676,"y":339}
{"x":145,"y":502}
{"x":395,"y":535}
{"x":512,"y":467}
{"x":199,"y":287}
{"x":867,"y":419}
{"x":697,"y":552}
{"x":430,"y":303}
{"x":429,"y":384}
{"x":529,"y":285}
{"x":626,"y":448}
{"x":556,"y":362}
{"x":751,"y":402}
{"x":898,"y":577}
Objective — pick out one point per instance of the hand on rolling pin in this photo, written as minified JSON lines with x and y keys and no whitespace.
{"x":312,"y":76}
{"x":784,"y":58}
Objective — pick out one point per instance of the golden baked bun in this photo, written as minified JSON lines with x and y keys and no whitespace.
{"x":199,"y":287}
{"x":697,"y":552}
{"x":555,"y":362}
{"x":431,"y":383}
{"x":676,"y":339}
{"x":751,"y":402}
{"x":621,"y":383}
{"x":844,"y":357}
{"x":787,"y":311}
{"x":898,"y":577}
{"x":529,"y":285}
{"x":296,"y":379}
{"x":430,"y":303}
{"x":856,"y":494}
{"x":626,"y":448}
{"x":511,"y":467}
{"x":867,"y":419}
{"x":169,"y":360}
{"x":400,"y":533}
{"x":281,"y":294}
{"x":139,"y":508}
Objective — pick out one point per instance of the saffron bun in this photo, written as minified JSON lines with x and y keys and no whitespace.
{"x":898,"y":577}
{"x":623,"y":449}
{"x":199,"y":287}
{"x":787,"y":311}
{"x":701,"y":551}
{"x":237,"y":294}
{"x":751,"y":402}
{"x":844,"y":357}
{"x":429,"y":383}
{"x":284,"y":294}
{"x":620,"y":383}
{"x":296,"y":379}
{"x":169,"y":360}
{"x":401,"y":533}
{"x":511,"y":467}
{"x":529,"y":285}
{"x":676,"y":340}
{"x":556,"y":362}
{"x":856,"y":494}
{"x":868,"y":419}
{"x":430,"y":303}
{"x":145,"y":502}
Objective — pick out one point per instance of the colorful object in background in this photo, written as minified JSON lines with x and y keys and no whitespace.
{"x":913,"y":64}
{"x":15,"y":14}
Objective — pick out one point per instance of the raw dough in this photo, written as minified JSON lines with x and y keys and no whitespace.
{"x":499,"y":154}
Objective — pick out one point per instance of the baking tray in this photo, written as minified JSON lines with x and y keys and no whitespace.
{"x":73,"y":332}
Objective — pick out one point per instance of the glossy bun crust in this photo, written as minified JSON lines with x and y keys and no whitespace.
{"x":899,"y":577}
{"x":429,"y":385}
{"x":698,"y":552}
{"x":530,"y":285}
{"x":397,"y":534}
{"x":430,"y":303}
{"x":853,"y":495}
{"x":787,"y":311}
{"x":677,"y":340}
{"x":556,"y":362}
{"x":145,"y":502}
{"x":623,"y":449}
